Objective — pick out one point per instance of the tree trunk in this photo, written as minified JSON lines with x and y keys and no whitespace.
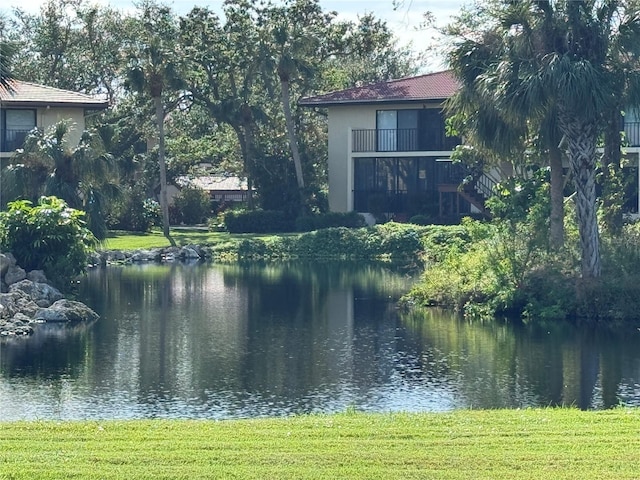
{"x":581,"y":139}
{"x":245,"y":139}
{"x":291,"y":134}
{"x":556,"y":220}
{"x":164,"y":204}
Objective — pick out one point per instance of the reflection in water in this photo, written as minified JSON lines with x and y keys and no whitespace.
{"x":205,"y":341}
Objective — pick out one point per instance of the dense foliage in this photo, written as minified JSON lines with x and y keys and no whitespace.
{"x":484,"y":270}
{"x":389,"y":242}
{"x":49,"y":236}
{"x":222,"y":105}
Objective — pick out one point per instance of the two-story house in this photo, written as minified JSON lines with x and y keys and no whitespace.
{"x":389,"y":154}
{"x":27,"y":106}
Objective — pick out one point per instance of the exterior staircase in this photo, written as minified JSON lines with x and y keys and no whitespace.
{"x":475,"y":188}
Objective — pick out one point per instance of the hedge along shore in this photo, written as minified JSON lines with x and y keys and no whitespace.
{"x":391,"y":242}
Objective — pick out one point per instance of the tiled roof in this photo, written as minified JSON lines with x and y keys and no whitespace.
{"x":212,"y":183}
{"x":31,"y":94}
{"x":432,"y":86}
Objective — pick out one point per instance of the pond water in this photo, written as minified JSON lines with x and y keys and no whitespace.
{"x":215,"y":341}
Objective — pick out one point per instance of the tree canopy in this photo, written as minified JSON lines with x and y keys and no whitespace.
{"x":566,"y":62}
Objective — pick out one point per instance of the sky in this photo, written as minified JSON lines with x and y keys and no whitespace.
{"x":404,"y":20}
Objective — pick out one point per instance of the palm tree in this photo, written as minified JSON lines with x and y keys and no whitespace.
{"x":84,"y":176}
{"x":297,"y":39}
{"x":501,"y":138}
{"x":154,"y":72}
{"x":558,"y":57}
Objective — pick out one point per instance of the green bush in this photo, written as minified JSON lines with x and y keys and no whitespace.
{"x":420,"y":220}
{"x":49,"y":236}
{"x":257,"y":221}
{"x":329,"y":220}
{"x":136,"y":213}
{"x":191,"y":206}
{"x":389,"y":242}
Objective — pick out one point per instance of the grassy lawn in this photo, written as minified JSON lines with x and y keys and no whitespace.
{"x":496,"y":444}
{"x":120,"y":240}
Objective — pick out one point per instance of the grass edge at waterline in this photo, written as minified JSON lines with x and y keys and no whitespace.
{"x":497,"y":444}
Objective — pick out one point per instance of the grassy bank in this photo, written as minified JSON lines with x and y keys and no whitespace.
{"x":508,"y":444}
{"x":388,"y":242}
{"x":120,"y":240}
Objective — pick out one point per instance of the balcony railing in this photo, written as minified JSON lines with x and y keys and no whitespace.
{"x":11,"y":139}
{"x":399,"y":140}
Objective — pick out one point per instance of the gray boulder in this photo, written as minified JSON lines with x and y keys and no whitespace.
{"x":14,"y":274}
{"x":42,"y":294}
{"x":6,"y":260}
{"x":17,"y":302}
{"x":116,"y":256}
{"x":188,"y":253}
{"x":145,"y":256}
{"x":37,"y":276}
{"x":19,"y":325}
{"x":66,"y":311}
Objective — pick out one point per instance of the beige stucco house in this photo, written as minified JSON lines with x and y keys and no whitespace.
{"x":389,"y":155}
{"x":28,"y":105}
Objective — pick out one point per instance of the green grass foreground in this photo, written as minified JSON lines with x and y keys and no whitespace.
{"x":496,"y":444}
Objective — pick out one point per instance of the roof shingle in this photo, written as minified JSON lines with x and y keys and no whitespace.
{"x":31,"y":94}
{"x":432,"y":86}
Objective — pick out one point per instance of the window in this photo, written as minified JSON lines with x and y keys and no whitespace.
{"x":16,"y":124}
{"x":397,"y":130}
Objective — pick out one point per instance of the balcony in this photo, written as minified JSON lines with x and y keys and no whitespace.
{"x":400,"y":140}
{"x":11,"y":139}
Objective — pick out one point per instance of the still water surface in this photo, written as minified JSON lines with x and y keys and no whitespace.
{"x":212,"y":341}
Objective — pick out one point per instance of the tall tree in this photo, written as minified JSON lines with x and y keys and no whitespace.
{"x":70,"y":44}
{"x":223,"y":64}
{"x":7,"y":50}
{"x":297,"y":38}
{"x":561,"y":56}
{"x":500,"y":138}
{"x":154,"y":71}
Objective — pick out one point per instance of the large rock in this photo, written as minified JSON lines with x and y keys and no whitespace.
{"x":19,"y":325}
{"x":116,"y":256}
{"x":14,"y":274}
{"x":42,"y":294}
{"x":66,"y":311}
{"x":17,"y":302}
{"x":6,"y":260}
{"x":37,"y":276}
{"x":188,"y":253}
{"x":146,"y":255}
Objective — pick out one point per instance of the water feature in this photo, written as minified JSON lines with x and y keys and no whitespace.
{"x":214,"y":341}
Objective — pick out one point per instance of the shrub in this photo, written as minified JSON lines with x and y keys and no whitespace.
{"x":420,"y":220}
{"x":50,"y":236}
{"x":329,"y":220}
{"x":257,"y":221}
{"x":136,"y":213}
{"x":191,"y":206}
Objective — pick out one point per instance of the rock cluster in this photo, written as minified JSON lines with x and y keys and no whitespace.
{"x":166,"y":254}
{"x":27,"y":299}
